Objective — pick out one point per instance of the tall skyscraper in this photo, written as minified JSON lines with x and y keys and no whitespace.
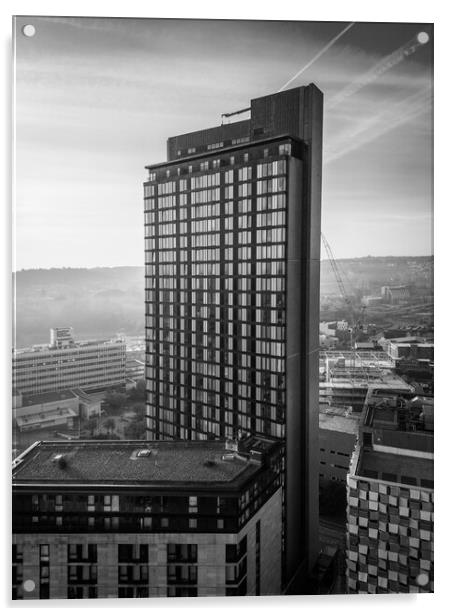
{"x":232,"y":226}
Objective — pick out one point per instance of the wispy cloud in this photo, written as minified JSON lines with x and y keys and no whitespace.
{"x":376,"y":72}
{"x":318,"y":55}
{"x":369,"y":129}
{"x":97,"y":98}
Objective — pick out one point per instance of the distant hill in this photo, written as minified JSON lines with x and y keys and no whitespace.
{"x":97,"y":302}
{"x":103,"y":301}
{"x":367,"y":275}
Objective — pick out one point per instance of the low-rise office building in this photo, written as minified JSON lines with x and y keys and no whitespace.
{"x":90,"y":404}
{"x":54,"y":409}
{"x":350,"y":390}
{"x":65,"y":364}
{"x":45,"y":410}
{"x":390,"y":497}
{"x":147,"y":519}
{"x":402,"y":349}
{"x":399,"y":294}
{"x":338,"y":432}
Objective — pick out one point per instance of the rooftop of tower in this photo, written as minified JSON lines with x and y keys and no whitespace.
{"x":396,"y":438}
{"x":290,"y":113}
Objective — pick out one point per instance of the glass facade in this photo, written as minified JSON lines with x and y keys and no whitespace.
{"x":216,"y":248}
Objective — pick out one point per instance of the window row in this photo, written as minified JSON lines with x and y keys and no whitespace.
{"x":205,"y":181}
{"x":277,"y":167}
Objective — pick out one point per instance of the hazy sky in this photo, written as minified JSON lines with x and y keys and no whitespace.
{"x":96,"y":100}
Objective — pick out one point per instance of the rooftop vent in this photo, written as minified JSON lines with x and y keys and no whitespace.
{"x":61,"y":460}
{"x":143,"y":453}
{"x":228,"y":456}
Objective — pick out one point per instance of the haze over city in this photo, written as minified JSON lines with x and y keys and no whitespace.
{"x":96,"y":100}
{"x":201,"y":408}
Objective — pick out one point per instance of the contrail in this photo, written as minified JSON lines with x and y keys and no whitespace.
{"x":369,"y":130}
{"x":318,"y":55}
{"x":380,"y":68}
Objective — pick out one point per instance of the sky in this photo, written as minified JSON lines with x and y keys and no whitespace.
{"x":96,"y":100}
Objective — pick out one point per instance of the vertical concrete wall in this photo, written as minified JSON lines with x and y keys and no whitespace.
{"x":335,"y":443}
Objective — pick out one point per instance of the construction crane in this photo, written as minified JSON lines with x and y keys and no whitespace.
{"x":355,"y":323}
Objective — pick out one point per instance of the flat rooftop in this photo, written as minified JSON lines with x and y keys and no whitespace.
{"x":389,"y":406}
{"x":88,"y":397}
{"x":338,"y":422}
{"x":51,"y":396}
{"x":76,"y":346}
{"x":200,"y":463}
{"x":396,"y":468}
{"x":359,"y":358}
{"x":381,"y":379}
{"x":48,"y":417}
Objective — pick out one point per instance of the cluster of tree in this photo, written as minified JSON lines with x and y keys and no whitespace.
{"x":138,"y":393}
{"x":101,"y":436}
{"x":136,"y":430}
{"x":114,"y":401}
{"x":114,"y":404}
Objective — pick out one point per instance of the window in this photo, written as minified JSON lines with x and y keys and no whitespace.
{"x":128,"y":552}
{"x":234,"y":551}
{"x":133,"y":574}
{"x":77,"y":552}
{"x":182,"y":552}
{"x":44,"y":588}
{"x":193,"y":504}
{"x":182,"y":591}
{"x":182,"y":574}
{"x":285,"y":148}
{"x":234,"y":574}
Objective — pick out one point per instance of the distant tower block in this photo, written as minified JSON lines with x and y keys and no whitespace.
{"x":61,"y":337}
